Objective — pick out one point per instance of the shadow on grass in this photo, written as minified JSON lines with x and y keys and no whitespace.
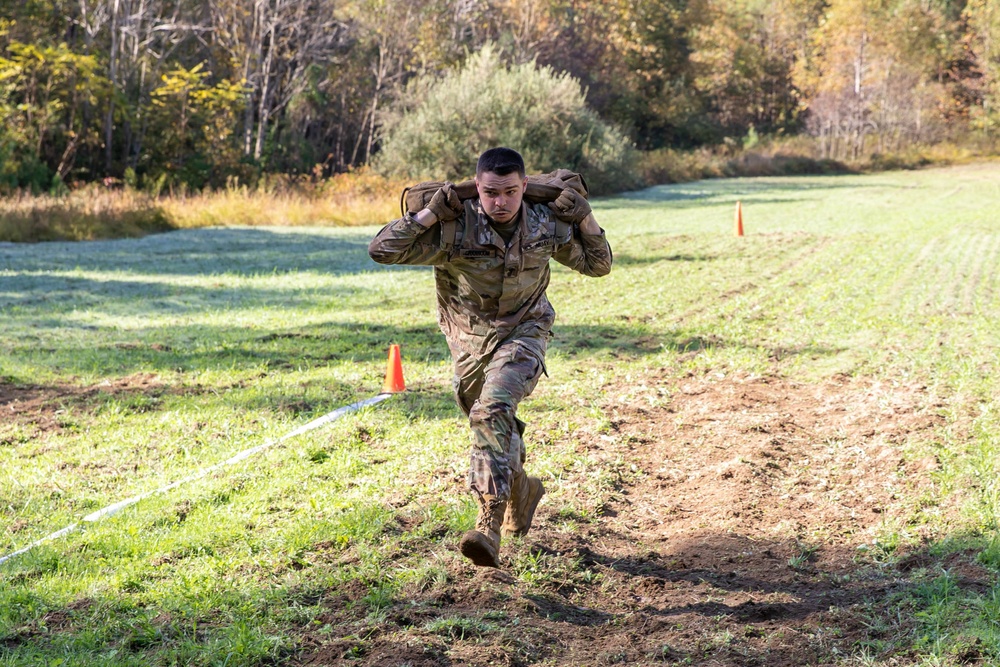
{"x":54,"y":310}
{"x":127,"y":297}
{"x":55,"y":407}
{"x":713,"y":188}
{"x":640,"y":339}
{"x":204,"y":348}
{"x":721,"y":192}
{"x":198,"y":348}
{"x":624,"y":259}
{"x":193,"y":349}
{"x":199,"y":252}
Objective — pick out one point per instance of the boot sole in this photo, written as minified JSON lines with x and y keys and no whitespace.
{"x":475,"y":551}
{"x":535,"y":499}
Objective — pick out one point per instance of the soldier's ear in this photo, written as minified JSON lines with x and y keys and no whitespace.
{"x":524,"y":184}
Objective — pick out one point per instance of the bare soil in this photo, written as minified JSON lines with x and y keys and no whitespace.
{"x":40,"y":405}
{"x":730,"y":536}
{"x":733,"y":525}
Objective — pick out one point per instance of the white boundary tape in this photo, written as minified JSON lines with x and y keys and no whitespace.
{"x":113,"y":509}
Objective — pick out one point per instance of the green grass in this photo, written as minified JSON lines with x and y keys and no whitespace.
{"x":243,"y":334}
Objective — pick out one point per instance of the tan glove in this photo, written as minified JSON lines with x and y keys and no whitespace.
{"x":570,"y":206}
{"x":445,"y":204}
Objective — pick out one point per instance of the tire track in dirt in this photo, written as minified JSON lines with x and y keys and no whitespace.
{"x":900,"y":293}
{"x":944,"y":277}
{"x":806,"y":252}
{"x":977,"y":288}
{"x":953,"y":276}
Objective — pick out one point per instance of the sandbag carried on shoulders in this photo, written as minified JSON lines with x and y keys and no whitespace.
{"x":541,"y":189}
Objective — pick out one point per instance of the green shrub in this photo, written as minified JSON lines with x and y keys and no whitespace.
{"x":445,"y":123}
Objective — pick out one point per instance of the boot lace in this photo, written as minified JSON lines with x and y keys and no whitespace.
{"x":484,"y":521}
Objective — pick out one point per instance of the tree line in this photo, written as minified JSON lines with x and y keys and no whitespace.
{"x":204,"y":92}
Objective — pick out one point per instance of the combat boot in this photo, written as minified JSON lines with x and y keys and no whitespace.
{"x":482,"y":545}
{"x":525,"y":492}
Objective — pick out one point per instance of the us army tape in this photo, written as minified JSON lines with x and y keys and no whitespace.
{"x":114,"y":508}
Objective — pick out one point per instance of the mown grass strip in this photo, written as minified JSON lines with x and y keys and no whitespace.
{"x":153,"y":355}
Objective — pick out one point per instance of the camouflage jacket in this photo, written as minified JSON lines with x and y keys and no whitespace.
{"x":485,"y":288}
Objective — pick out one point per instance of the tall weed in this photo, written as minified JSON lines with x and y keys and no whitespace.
{"x":364,"y":196}
{"x":95,"y":212}
{"x":86,"y":214}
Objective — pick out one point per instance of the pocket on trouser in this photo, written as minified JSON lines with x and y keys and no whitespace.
{"x":490,"y":472}
{"x":531,"y":364}
{"x":467,"y":381}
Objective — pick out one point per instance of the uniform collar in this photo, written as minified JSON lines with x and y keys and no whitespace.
{"x":486,"y":235}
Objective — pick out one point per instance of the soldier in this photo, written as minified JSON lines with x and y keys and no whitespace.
{"x":496,"y":318}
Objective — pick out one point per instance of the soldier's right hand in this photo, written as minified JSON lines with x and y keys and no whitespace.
{"x":445,"y":204}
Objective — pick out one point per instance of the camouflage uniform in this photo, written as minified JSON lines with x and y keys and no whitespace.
{"x":493,"y":311}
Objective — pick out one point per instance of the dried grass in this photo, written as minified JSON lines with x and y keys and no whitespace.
{"x":86,"y":214}
{"x":362,"y":197}
{"x":94,"y":212}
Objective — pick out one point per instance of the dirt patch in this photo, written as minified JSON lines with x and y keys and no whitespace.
{"x":770,"y":458}
{"x":59,"y":621}
{"x":37,"y":409}
{"x":63,"y":620}
{"x":731,"y":512}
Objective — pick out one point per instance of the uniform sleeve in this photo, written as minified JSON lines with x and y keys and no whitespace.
{"x":589,"y":255}
{"x":405,"y":241}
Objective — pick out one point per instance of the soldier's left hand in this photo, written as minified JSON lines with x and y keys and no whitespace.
{"x":570,"y":206}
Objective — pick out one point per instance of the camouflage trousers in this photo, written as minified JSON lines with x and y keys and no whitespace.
{"x":488,"y":390}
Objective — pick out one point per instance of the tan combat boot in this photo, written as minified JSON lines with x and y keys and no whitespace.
{"x":482,"y":545}
{"x":525,"y":492}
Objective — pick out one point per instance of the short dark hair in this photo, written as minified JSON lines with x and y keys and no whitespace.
{"x":500,"y":161}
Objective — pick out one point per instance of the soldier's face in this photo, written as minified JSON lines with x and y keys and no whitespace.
{"x":501,"y":195}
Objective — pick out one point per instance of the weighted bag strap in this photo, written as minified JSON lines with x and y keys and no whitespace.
{"x":449,"y":230}
{"x":402,"y":202}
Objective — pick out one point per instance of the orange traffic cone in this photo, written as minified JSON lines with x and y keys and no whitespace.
{"x":739,"y":219}
{"x":394,"y":373}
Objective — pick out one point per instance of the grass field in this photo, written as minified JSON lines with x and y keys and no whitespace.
{"x":778,"y":449}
